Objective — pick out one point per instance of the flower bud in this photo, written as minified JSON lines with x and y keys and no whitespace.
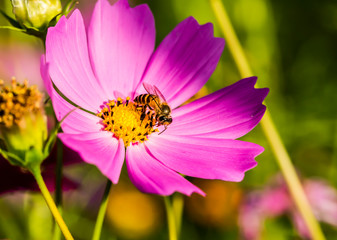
{"x":23,"y":125}
{"x":36,"y":13}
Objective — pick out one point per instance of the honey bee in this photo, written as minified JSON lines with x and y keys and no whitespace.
{"x":155,"y":101}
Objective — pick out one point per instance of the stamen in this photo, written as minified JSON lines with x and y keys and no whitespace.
{"x":17,"y":100}
{"x":123,"y":118}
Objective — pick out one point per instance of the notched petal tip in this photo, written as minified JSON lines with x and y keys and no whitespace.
{"x":62,"y":24}
{"x":251,"y":81}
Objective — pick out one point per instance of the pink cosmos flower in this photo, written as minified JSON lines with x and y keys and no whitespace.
{"x":110,"y":59}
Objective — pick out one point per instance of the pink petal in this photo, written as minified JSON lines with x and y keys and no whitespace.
{"x":151,"y":176}
{"x":121,"y":41}
{"x":20,"y":60}
{"x":184,"y":61}
{"x":323,"y":199}
{"x":300,"y":225}
{"x":208,"y":158}
{"x":44,"y":72}
{"x":69,"y":64}
{"x":228,"y":113}
{"x":77,"y":121}
{"x":100,"y":149}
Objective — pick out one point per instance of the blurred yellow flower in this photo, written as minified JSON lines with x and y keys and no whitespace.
{"x":220,"y":206}
{"x":133,"y":214}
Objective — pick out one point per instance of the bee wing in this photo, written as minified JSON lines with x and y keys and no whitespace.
{"x":159,"y":94}
{"x":151,"y":89}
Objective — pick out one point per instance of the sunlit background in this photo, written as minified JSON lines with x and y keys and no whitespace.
{"x":291,"y":47}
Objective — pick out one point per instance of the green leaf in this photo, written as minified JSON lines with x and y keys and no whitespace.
{"x":11,"y":20}
{"x":52,"y":138}
{"x":69,"y":101}
{"x":12,"y":28}
{"x":12,"y":158}
{"x":70,"y":5}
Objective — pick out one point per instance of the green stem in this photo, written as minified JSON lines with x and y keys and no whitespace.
{"x":101,"y":212}
{"x":171,"y":219}
{"x":270,"y":131}
{"x":58,"y":184}
{"x":178,"y":206}
{"x":59,"y":172}
{"x":50,"y":202}
{"x":333,"y":164}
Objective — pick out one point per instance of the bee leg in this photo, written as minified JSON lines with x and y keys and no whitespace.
{"x":163,"y":130}
{"x":151,"y":119}
{"x":143,"y":115}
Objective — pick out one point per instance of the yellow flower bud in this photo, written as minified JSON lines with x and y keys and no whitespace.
{"x":36,"y":13}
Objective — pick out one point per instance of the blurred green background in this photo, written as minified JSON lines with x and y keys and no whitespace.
{"x":291,"y":46}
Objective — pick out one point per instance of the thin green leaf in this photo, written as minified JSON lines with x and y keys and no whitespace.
{"x":70,"y":5}
{"x":12,"y":28}
{"x":11,"y":20}
{"x":54,"y":20}
{"x":53,"y":134}
{"x":11,"y":157}
{"x":69,"y":101}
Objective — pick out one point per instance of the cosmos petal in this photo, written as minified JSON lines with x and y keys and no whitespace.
{"x":151,"y":176}
{"x":69,"y":65}
{"x":228,"y":113}
{"x":223,"y":159}
{"x":77,"y":121}
{"x":121,"y":40}
{"x":184,"y":61}
{"x":100,"y":149}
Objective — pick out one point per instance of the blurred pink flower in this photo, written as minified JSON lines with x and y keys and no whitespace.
{"x":111,"y":58}
{"x":275,"y":201}
{"x":22,"y":61}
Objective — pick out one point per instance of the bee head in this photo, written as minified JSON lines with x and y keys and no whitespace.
{"x":165,"y":120}
{"x":165,"y":109}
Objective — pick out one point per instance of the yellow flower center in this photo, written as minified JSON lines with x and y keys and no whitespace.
{"x":16,"y":101}
{"x":123,"y":118}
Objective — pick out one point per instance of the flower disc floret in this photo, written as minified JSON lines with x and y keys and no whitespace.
{"x":23,"y":124}
{"x":16,"y":101}
{"x":124,"y":120}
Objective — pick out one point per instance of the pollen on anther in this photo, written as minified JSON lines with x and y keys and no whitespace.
{"x":16,"y":101}
{"x":123,"y":119}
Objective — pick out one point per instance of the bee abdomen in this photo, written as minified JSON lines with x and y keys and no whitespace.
{"x":145,"y":98}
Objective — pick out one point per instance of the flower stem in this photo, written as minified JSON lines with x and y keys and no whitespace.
{"x":101,"y":212}
{"x":50,"y":202}
{"x":178,"y":206}
{"x":270,"y":131}
{"x":58,"y":185}
{"x":171,"y":219}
